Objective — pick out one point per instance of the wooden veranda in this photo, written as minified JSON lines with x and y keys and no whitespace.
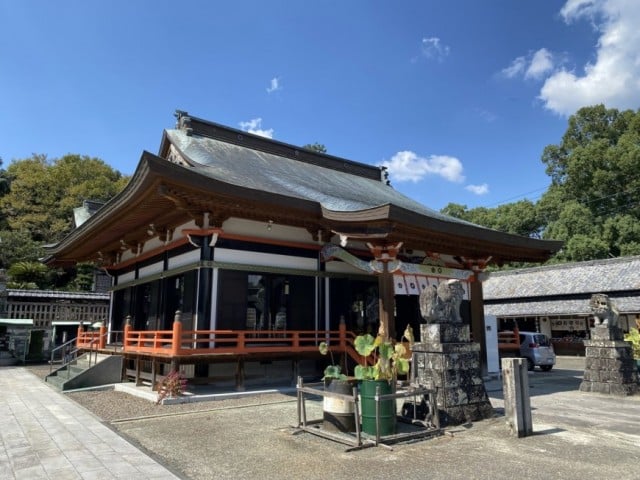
{"x":178,"y":347}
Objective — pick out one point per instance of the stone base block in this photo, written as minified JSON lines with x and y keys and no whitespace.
{"x":604,"y":332}
{"x":609,"y":388}
{"x":444,"y":333}
{"x":460,"y":414}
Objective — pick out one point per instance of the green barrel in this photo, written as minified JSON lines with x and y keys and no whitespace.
{"x":387,"y":410}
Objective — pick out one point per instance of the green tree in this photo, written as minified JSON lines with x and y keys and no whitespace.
{"x":315,"y":147}
{"x":37,"y":198}
{"x":592,"y":203}
{"x":18,"y":246}
{"x":44,"y":193}
{"x":520,"y":218}
{"x":27,"y":275}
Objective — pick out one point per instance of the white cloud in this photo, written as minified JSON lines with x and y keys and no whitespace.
{"x":406,"y":166}
{"x":274,"y":85}
{"x":612,"y":79}
{"x":478,"y":189}
{"x":255,"y":126}
{"x":433,"y":49}
{"x":517,"y":67}
{"x":532,"y":66}
{"x":541,"y":64}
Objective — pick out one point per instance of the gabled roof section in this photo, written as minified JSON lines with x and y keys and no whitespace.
{"x":206,"y":170}
{"x":596,"y":276}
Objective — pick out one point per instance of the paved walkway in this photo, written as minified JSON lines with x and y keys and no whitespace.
{"x":45,"y":435}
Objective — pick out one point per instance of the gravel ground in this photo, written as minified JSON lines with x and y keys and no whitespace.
{"x":111,"y":406}
{"x":576,"y":436}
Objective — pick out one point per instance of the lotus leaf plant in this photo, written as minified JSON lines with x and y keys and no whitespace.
{"x":389,"y":359}
{"x":331,"y":371}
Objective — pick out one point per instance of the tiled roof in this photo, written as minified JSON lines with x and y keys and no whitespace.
{"x":624,"y":304}
{"x":57,"y":294}
{"x":597,"y":276}
{"x":262,"y":171}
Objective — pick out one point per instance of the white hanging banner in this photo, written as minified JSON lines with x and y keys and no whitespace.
{"x":423,"y":282}
{"x":413,"y":288}
{"x":399,"y":287}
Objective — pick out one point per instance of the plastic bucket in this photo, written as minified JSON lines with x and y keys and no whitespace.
{"x":387,"y":408}
{"x":338,"y":413}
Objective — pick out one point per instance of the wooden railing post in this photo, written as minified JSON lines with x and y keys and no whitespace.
{"x":176,"y":340}
{"x":79,"y":337}
{"x":342,"y":329}
{"x":125,"y":340}
{"x":102,"y":341}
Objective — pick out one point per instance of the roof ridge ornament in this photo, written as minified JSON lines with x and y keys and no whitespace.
{"x":183,"y":122}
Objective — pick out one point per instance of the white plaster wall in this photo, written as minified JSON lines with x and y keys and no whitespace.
{"x":252,"y":228}
{"x":150,"y":270}
{"x":184,"y":259}
{"x":263,"y":259}
{"x":126,"y":277}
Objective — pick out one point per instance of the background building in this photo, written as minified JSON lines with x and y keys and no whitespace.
{"x":554,"y":299}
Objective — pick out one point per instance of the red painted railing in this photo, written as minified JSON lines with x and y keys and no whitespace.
{"x":92,"y":338}
{"x":179,"y":342}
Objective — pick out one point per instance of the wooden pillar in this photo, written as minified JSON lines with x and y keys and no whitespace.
{"x":240,"y":375}
{"x":477,"y":319}
{"x":383,"y":255}
{"x":138,"y":367}
{"x":102,"y":340}
{"x":154,"y":372}
{"x":387,"y":327}
{"x":125,"y":336}
{"x":79,"y":335}
{"x":176,"y":338}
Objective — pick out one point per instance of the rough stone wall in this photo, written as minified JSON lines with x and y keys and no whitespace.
{"x":447,"y":360}
{"x":609,"y":364}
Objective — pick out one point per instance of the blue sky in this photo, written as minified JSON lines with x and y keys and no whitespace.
{"x":458,"y":97}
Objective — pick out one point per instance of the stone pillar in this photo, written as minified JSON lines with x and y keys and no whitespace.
{"x":609,"y":364}
{"x":517,"y":405}
{"x":446,"y":359}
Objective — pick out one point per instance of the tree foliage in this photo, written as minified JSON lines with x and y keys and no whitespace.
{"x":593,"y":202}
{"x":315,"y":147}
{"x":43,"y":193}
{"x":27,"y":275}
{"x":37,"y":198}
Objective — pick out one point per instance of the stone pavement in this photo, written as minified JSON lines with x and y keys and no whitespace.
{"x":45,"y":435}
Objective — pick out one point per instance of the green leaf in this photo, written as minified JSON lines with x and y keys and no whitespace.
{"x":334,"y":371}
{"x":364,"y":344}
{"x":362,"y":372}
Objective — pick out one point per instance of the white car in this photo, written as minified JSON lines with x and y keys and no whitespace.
{"x":538,"y":350}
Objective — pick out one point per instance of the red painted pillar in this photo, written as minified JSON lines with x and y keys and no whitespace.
{"x":102,"y":341}
{"x":342,"y":329}
{"x":176,"y":340}
{"x":80,"y":335}
{"x":125,"y":340}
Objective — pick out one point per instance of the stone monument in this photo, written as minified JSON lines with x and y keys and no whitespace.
{"x":609,"y":364}
{"x":447,"y":360}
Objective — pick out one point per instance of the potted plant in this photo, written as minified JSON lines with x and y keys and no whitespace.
{"x":338,"y":414}
{"x":383,"y":361}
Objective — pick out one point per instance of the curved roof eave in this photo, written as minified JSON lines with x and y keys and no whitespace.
{"x":464,"y":230}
